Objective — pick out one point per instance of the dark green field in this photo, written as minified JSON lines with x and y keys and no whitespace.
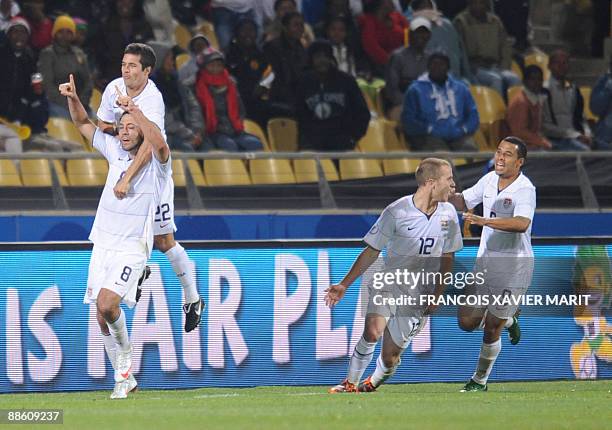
{"x":536,"y":405}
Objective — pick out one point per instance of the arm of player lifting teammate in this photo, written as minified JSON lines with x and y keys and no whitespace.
{"x":516,"y":224}
{"x":152,"y":135}
{"x":77,"y":111}
{"x":334,"y":293}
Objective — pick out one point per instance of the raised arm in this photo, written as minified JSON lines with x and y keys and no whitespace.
{"x":152,"y":134}
{"x":77,"y":111}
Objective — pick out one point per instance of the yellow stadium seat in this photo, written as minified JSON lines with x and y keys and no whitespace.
{"x":208,"y":29}
{"x":283,"y":135}
{"x":87,"y":172}
{"x":196,"y":173}
{"x":181,"y":59}
{"x":517,"y":69}
{"x":306,"y":170}
{"x":399,"y":166}
{"x":492,"y":112}
{"x":178,"y":173}
{"x":379,"y":103}
{"x":374,"y":139}
{"x":369,"y":102}
{"x":539,"y":59}
{"x":37,"y":173}
{"x":393,"y":136}
{"x":271,"y":171}
{"x":226,"y":172}
{"x":459,"y":162}
{"x":9,"y":176}
{"x":358,"y":168}
{"x":182,"y":35}
{"x":253,"y":128}
{"x":95,"y":100}
{"x":586,"y":95}
{"x":513,"y":91}
{"x":61,"y":128}
{"x":481,"y":141}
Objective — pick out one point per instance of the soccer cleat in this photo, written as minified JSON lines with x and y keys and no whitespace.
{"x":367,"y":386}
{"x":193,"y":314}
{"x":473,"y":386}
{"x":343,"y":387}
{"x":124,"y":365}
{"x":132,"y":384}
{"x":145,"y":275}
{"x":121,"y":390}
{"x":514,"y":331}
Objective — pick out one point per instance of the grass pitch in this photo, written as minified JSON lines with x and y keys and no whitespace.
{"x":523,"y":405}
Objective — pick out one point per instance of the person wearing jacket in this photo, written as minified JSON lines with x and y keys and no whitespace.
{"x":183,"y":118}
{"x":221,"y":107}
{"x":601,"y":105}
{"x":439,"y":111}
{"x":331,"y":111}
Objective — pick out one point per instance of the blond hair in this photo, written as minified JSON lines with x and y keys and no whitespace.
{"x":429,"y":168}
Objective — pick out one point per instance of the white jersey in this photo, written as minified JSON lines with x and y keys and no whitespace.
{"x":127,"y":224}
{"x":407,"y":233}
{"x":517,"y":199}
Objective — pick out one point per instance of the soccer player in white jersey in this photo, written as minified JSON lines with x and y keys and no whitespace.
{"x":505,"y":255}
{"x":122,"y":232}
{"x":418,"y":231}
{"x":134,"y":84}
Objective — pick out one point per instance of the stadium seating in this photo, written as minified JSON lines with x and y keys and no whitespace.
{"x":517,"y":70}
{"x":37,"y":173}
{"x":196,"y":173}
{"x":358,"y":168}
{"x":95,"y":100}
{"x":181,"y":59}
{"x":306,"y":170}
{"x":393,"y":136}
{"x":253,"y":128}
{"x":226,"y":172}
{"x":182,"y":35}
{"x":87,"y":172}
{"x":492,"y":112}
{"x":9,"y":176}
{"x":178,"y":173}
{"x":271,"y":171}
{"x":283,"y":134}
{"x":373,"y":141}
{"x":400,"y":166}
{"x":61,"y":128}
{"x":586,"y":95}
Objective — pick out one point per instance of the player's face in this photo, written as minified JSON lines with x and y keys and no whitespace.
{"x":129,"y":133}
{"x":444,"y":186}
{"x":507,"y":163}
{"x":131,"y":71}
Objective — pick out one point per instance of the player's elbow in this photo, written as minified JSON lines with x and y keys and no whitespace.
{"x":523,"y":225}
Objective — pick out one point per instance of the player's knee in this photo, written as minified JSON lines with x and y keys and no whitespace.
{"x":372,"y":334}
{"x":164,"y":242}
{"x":467,"y":324}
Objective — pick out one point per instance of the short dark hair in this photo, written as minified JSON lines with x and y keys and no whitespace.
{"x":440,"y":54}
{"x":420,"y":4}
{"x":147,"y":55}
{"x":532,"y":70}
{"x":278,"y":2}
{"x":288,"y":17}
{"x":521,"y":147}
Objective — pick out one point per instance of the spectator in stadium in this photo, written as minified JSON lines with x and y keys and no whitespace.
{"x":183,"y":118}
{"x":274,"y":29}
{"x":159,"y":16}
{"x":601,"y":105}
{"x":563,"y":122}
{"x":383,"y":30}
{"x":488,"y":48}
{"x":40,"y":24}
{"x":221,"y":107}
{"x":406,"y":65}
{"x":524,"y":114}
{"x":8,"y":10}
{"x":226,"y":15}
{"x":287,"y":56}
{"x":444,"y":37}
{"x":58,"y":61}
{"x":126,"y":24}
{"x":439,"y":112}
{"x":188,"y":71}
{"x":347,"y":48}
{"x":248,"y":64}
{"x":337,"y":9}
{"x":331,"y":111}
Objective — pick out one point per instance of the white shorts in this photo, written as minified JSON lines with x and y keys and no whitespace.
{"x":116,"y":271}
{"x":164,"y":213}
{"x":403,"y":329}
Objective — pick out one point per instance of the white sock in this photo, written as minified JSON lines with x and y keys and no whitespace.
{"x":382,"y":373}
{"x":488,"y":355}
{"x":361,"y":358}
{"x":119,"y":332}
{"x":509,"y":322}
{"x":111,"y":348}
{"x":184,"y":269}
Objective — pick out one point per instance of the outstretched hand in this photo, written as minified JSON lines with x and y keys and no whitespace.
{"x":123,"y":100}
{"x":334,"y":294}
{"x":68,"y":89}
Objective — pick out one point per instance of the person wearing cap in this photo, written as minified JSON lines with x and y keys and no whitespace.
{"x":183,"y":116}
{"x":188,"y":71}
{"x":331,"y":112}
{"x":221,"y":107}
{"x":58,"y":61}
{"x":406,"y":65}
{"x":248,"y":64}
{"x":439,"y":111}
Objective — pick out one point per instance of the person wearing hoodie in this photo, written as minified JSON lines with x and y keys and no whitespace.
{"x":187,"y":73}
{"x":183,"y":118}
{"x":331,"y":111}
{"x":439,"y":111}
{"x":222,"y":107}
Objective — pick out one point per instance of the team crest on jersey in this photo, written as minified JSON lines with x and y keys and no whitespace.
{"x":444,"y":224}
{"x":507,"y":202}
